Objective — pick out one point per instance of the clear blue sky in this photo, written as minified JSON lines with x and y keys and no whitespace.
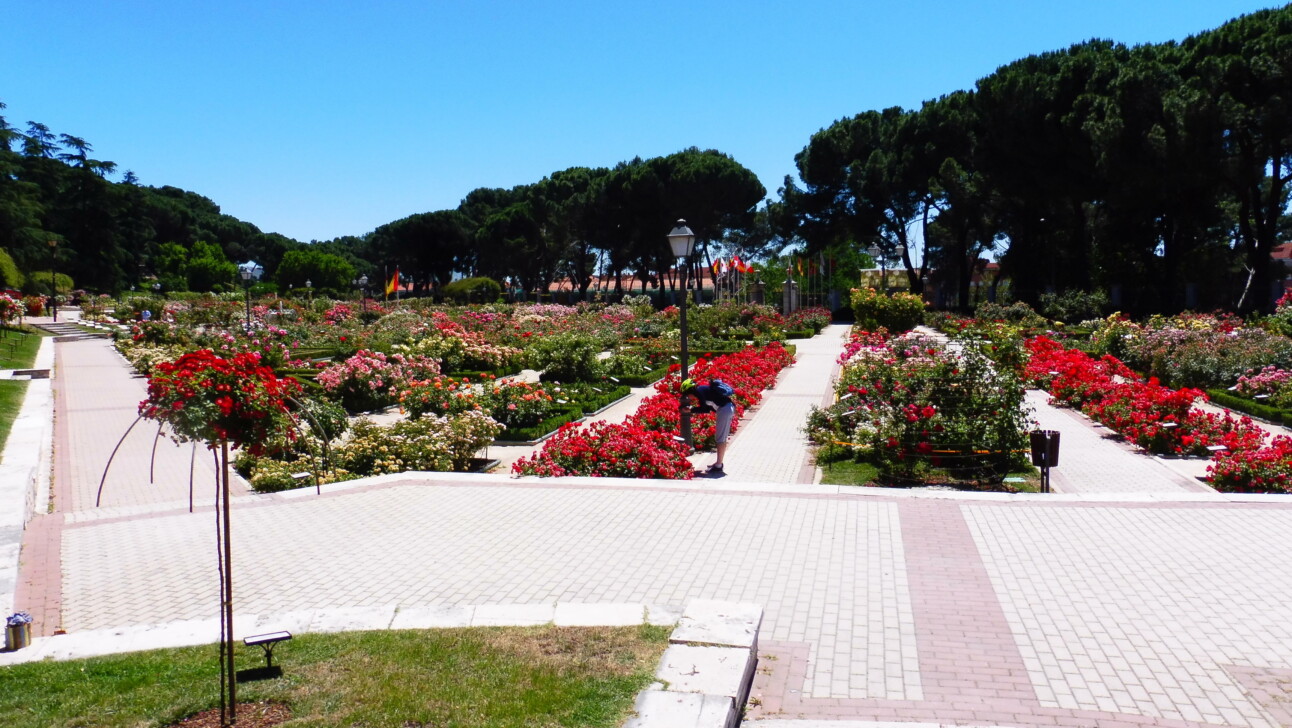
{"x":320,"y":118}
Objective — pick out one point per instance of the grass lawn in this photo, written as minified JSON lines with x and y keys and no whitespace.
{"x":24,"y":355}
{"x":848,"y":472}
{"x":12,"y":392}
{"x":503,"y":676}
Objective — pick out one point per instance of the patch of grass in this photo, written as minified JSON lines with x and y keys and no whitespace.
{"x":504,"y":676}
{"x":21,"y":355}
{"x":849,"y":472}
{"x":12,"y":392}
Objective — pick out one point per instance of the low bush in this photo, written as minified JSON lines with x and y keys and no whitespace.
{"x":1073,"y":306}
{"x":898,"y":312}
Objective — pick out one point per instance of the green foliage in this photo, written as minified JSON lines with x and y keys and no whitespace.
{"x":899,"y":312}
{"x":1074,"y":305}
{"x":207,"y":269}
{"x":38,"y":283}
{"x":472,"y":290}
{"x":1016,"y":313}
{"x":327,"y":274}
{"x":565,"y":357}
{"x":10,"y":276}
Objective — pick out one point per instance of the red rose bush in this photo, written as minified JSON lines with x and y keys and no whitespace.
{"x":643,"y":446}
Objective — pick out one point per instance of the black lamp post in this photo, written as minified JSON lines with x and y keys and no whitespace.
{"x":309,"y":289}
{"x":250,"y":273}
{"x":882,"y":256}
{"x":682,"y":242}
{"x":53,"y":287}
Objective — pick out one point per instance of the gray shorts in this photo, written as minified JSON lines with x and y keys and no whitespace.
{"x":722,"y":427}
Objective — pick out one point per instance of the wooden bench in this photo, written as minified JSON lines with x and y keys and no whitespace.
{"x":266,"y":642}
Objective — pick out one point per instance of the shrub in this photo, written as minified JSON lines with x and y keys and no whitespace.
{"x":371,"y":380}
{"x":565,"y":357}
{"x":1254,"y":470}
{"x":430,"y":443}
{"x":1017,"y":312}
{"x":1073,"y":306}
{"x":899,"y":312}
{"x":472,"y":290}
{"x":920,"y":412}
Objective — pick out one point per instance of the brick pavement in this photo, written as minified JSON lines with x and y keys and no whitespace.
{"x":96,"y":401}
{"x":878,"y":608}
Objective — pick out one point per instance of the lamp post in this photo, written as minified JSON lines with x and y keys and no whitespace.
{"x":362,"y":283}
{"x":249,"y":272}
{"x":157,"y":289}
{"x":309,"y":289}
{"x":53,"y":287}
{"x":682,"y":242}
{"x":882,"y":256}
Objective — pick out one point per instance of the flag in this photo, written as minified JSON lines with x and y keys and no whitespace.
{"x":735,"y":263}
{"x":393,"y":284}
{"x":747,"y":268}
{"x":800,"y":264}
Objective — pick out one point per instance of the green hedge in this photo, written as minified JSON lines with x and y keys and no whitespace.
{"x":1225,"y":398}
{"x":597,"y":401}
{"x":563,"y":415}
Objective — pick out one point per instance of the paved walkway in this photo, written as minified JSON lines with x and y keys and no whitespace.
{"x":1140,"y":604}
{"x":771,"y":446}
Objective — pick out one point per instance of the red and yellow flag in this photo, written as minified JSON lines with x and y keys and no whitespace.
{"x":393,"y":283}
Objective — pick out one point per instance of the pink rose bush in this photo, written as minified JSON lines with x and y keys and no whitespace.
{"x":371,"y":380}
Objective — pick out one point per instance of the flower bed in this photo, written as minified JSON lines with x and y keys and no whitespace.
{"x":921,"y":413}
{"x":1162,"y":420}
{"x":644,"y":445}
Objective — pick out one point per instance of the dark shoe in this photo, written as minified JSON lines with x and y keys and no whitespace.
{"x":715,"y":469}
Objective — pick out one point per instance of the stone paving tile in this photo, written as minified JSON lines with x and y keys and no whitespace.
{"x":1093,"y":460}
{"x":829,"y":573}
{"x":1139,"y":610}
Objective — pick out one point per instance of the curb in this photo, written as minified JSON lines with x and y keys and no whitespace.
{"x":188,"y":633}
{"x":706,"y":672}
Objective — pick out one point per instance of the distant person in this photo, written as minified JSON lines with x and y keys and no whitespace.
{"x":711,"y":398}
{"x":146,"y":315}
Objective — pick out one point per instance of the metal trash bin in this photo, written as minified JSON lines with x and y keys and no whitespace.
{"x":1045,"y":448}
{"x":17,"y":636}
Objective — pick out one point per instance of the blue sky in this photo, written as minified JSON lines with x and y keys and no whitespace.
{"x":322,"y":118}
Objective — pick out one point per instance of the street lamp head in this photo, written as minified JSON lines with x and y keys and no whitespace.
{"x":682,"y":240}
{"x":873,"y":251}
{"x":53,"y":243}
{"x":363,"y":281}
{"x":250,"y":271}
{"x":308,"y":283}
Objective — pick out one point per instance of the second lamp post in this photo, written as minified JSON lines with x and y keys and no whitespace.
{"x":682,"y":242}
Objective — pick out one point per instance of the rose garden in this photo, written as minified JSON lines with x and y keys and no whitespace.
{"x":942,"y":407}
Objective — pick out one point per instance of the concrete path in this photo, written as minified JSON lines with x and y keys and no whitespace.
{"x":1093,"y":459}
{"x":771,"y":446}
{"x":1149,"y":602}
